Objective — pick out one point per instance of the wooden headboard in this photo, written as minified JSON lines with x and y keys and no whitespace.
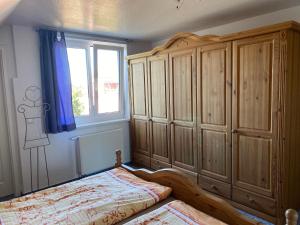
{"x":184,"y":189}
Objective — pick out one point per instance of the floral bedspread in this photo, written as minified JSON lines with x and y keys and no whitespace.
{"x":105,"y":198}
{"x":175,"y":213}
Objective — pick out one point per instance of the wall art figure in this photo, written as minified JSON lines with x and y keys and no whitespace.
{"x":35,"y":137}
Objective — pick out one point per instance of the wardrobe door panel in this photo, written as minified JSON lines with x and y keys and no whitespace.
{"x":140,"y":132}
{"x":183,"y":152}
{"x":254,"y":161}
{"x":182,"y":84}
{"x":255,"y":107}
{"x":159,"y":141}
{"x":214,"y":111}
{"x":158,"y":81}
{"x":254,"y":87}
{"x":214,"y":152}
{"x":138,"y":75}
{"x":139,"y":106}
{"x":183,"y":108}
{"x":213,"y":83}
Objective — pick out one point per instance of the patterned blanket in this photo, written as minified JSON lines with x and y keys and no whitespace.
{"x":105,"y":198}
{"x":175,"y":213}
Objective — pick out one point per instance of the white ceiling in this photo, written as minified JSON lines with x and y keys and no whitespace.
{"x":6,"y":7}
{"x":139,"y":19}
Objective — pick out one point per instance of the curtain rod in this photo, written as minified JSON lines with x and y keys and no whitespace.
{"x":84,"y":34}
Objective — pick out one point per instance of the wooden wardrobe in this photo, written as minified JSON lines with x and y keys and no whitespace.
{"x":225,"y":110}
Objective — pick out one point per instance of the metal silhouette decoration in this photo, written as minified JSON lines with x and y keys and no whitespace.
{"x":35,"y":136}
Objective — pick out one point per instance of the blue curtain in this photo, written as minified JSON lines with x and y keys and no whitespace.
{"x":56,"y":82}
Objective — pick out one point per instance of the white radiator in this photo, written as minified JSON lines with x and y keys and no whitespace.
{"x":96,"y":152}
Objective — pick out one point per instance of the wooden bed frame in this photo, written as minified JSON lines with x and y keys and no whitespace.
{"x":184,"y":189}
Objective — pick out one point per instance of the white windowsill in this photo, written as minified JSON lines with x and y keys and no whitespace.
{"x":97,"y":124}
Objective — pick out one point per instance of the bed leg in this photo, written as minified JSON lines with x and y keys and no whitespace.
{"x":291,"y":217}
{"x":118,"y":158}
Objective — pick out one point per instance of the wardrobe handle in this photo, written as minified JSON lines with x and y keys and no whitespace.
{"x":171,"y":122}
{"x":214,"y":187}
{"x":150,"y":120}
{"x":234,"y":131}
{"x":251,"y":200}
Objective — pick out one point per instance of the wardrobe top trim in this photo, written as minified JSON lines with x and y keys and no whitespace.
{"x":207,"y":39}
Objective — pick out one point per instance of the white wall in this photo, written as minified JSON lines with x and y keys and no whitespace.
{"x":24,"y":70}
{"x":249,"y":23}
{"x":138,"y":46}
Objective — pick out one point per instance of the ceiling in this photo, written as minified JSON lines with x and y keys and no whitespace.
{"x":6,"y":7}
{"x":138,"y":19}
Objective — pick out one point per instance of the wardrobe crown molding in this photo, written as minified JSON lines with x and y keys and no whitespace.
{"x":183,"y":38}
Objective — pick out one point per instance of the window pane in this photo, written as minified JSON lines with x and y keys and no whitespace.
{"x":78,"y":70}
{"x":108,"y":80}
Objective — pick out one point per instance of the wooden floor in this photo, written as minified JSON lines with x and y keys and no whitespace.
{"x":255,"y":218}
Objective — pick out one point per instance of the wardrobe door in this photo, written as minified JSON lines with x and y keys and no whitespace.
{"x":255,"y":108}
{"x":183,"y":108}
{"x":139,"y":107}
{"x":214,"y":111}
{"x":158,"y":80}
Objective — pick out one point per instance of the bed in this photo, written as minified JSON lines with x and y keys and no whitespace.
{"x":125,"y":195}
{"x":104,"y":198}
{"x":177,"y":213}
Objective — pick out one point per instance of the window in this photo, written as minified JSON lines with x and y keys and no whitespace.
{"x":107,"y":74}
{"x":79,"y":78}
{"x":97,"y":80}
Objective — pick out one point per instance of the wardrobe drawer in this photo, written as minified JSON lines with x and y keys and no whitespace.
{"x":157,"y":165}
{"x":141,"y":160}
{"x":258,"y":202}
{"x":215,"y":186}
{"x":190,"y":174}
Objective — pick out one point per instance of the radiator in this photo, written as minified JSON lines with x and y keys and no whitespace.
{"x":96,"y":152}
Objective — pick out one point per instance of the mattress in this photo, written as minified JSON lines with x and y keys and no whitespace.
{"x":150,"y":209}
{"x":175,"y":213}
{"x":105,"y":198}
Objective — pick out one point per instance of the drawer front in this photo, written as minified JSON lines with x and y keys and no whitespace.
{"x":141,"y":160}
{"x":214,"y":186}
{"x":190,"y":174}
{"x":254,"y":201}
{"x":157,"y":165}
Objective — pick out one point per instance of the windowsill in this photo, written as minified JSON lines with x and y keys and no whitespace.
{"x":97,"y":124}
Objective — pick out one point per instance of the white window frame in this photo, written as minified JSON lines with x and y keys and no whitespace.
{"x":120,"y":113}
{"x":94,"y":117}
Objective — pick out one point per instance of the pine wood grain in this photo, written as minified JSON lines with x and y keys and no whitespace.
{"x":232,"y":115}
{"x":255,"y":111}
{"x":214,"y":110}
{"x":182,"y":66}
{"x":158,"y":82}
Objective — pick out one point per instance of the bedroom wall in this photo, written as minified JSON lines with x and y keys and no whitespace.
{"x":135,"y":47}
{"x":249,"y":23}
{"x":25,"y":71}
{"x":22,"y":69}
